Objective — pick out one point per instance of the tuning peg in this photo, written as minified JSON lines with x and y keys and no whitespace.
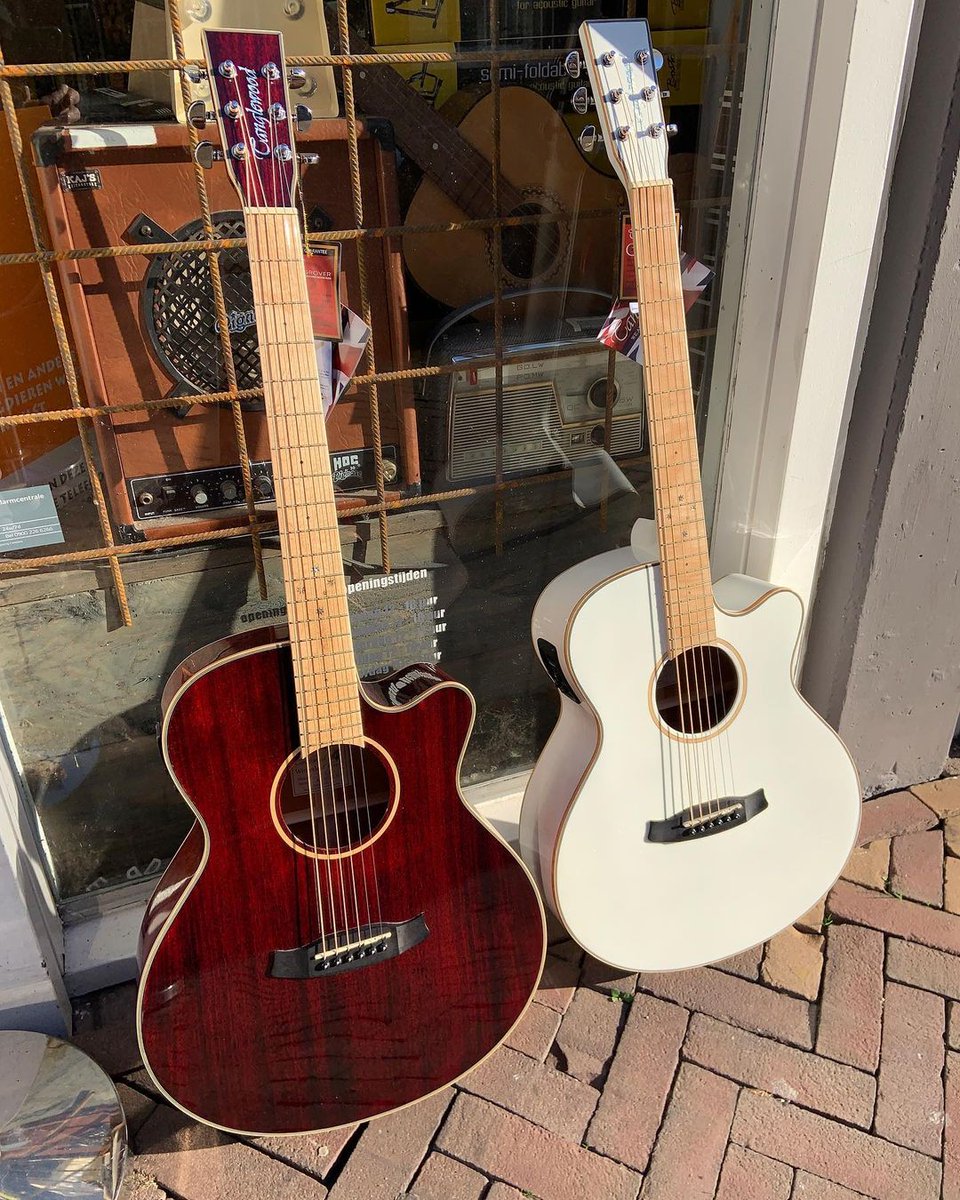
{"x":589,"y":139}
{"x":195,"y":74}
{"x":657,"y":60}
{"x":581,"y":100}
{"x":207,"y":154}
{"x":198,"y":114}
{"x":672,"y":129}
{"x":296,"y":78}
{"x":309,"y":160}
{"x":573,"y":64}
{"x":303,"y":118}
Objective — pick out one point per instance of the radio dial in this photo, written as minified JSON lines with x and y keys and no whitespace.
{"x":198,"y":494}
{"x":597,"y":393}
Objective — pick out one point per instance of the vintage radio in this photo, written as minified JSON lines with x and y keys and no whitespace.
{"x":145,"y":329}
{"x":554,"y":403}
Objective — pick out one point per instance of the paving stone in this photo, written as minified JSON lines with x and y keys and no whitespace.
{"x":795,"y":1075}
{"x":812,"y":921}
{"x":638,"y":1083}
{"x":940,"y":795}
{"x":559,"y":981}
{"x":810,"y":1187}
{"x":951,"y":884}
{"x":139,"y":1186}
{"x":539,"y":1092}
{"x":749,"y":1176}
{"x":137,"y":1108}
{"x":951,"y":835}
{"x":910,"y":1089}
{"x":924,"y":968}
{"x":606,"y":979}
{"x":500,"y":1144}
{"x":536,"y":1031}
{"x":195,"y":1162}
{"x":895,"y":813}
{"x":689,"y":1152}
{"x":793,"y":962}
{"x":851,"y":1006}
{"x":443,"y":1178}
{"x":903,"y":918}
{"x":953,"y":1025}
{"x":749,"y":1005}
{"x":869,"y":865}
{"x":105,"y":1027}
{"x":746,"y":964}
{"x":390,"y":1150}
{"x":588,"y":1034}
{"x":916,"y":866}
{"x":951,"y":1128}
{"x":315,"y":1153}
{"x":503,"y":1191}
{"x":825,"y":1148}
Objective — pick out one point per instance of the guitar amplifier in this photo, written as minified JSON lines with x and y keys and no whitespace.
{"x":144,"y":327}
{"x":554,"y":404}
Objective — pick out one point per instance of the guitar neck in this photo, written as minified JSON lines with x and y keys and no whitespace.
{"x":678,"y":495}
{"x":322,"y":646}
{"x":444,"y":155}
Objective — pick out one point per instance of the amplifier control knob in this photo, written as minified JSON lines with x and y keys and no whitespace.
{"x":229,"y":490}
{"x":262,"y":486}
{"x":198,"y":493}
{"x":389,"y":470}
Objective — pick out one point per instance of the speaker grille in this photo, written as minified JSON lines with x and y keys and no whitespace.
{"x":179,"y":311}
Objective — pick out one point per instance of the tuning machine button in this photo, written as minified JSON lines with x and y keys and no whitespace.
{"x":198,"y":114}
{"x":195,"y":74}
{"x":573,"y":64}
{"x":206,"y":154}
{"x":581,"y":100}
{"x":303,"y":118}
{"x":671,"y":129}
{"x":589,"y":139}
{"x":296,"y":78}
{"x":309,"y":160}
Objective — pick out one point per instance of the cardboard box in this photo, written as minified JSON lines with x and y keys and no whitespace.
{"x":408,"y":24}
{"x":678,"y":14}
{"x":435,"y":82}
{"x":31,"y":373}
{"x":681,"y":75}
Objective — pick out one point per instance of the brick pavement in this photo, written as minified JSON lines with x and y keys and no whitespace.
{"x":824,"y":1066}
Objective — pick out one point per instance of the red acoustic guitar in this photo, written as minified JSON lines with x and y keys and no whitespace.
{"x":339,"y":935}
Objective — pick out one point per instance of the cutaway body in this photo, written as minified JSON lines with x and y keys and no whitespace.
{"x":660,"y":850}
{"x":268,"y":1005}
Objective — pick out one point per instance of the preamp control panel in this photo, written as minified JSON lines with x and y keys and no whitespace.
{"x":183,"y":492}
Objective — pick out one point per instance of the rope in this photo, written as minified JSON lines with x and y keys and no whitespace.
{"x":63,"y":342}
{"x":220,"y":305}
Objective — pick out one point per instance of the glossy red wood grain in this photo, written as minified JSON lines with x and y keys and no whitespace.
{"x":262,"y":177}
{"x":248,"y":1052}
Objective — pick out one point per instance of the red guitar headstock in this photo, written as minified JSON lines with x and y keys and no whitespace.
{"x":249,"y":87}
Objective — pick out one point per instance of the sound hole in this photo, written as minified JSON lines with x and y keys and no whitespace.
{"x":696,"y":690}
{"x":529,"y":250}
{"x":336,"y":799}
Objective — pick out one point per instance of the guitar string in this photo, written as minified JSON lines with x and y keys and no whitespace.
{"x":294,"y":616}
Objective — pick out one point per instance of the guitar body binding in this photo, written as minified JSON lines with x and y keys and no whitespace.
{"x":247,"y":1019}
{"x":659,"y":851}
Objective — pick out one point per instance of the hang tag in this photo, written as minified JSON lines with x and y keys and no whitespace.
{"x":695,"y":276}
{"x":322,"y":265}
{"x":337,"y":362}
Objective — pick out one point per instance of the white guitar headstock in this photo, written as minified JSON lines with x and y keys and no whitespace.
{"x":622,"y":66}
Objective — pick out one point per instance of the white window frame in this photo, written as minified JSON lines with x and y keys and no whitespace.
{"x":823,"y":101}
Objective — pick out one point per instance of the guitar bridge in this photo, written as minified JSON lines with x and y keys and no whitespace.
{"x":350,"y":950}
{"x":703,"y":820}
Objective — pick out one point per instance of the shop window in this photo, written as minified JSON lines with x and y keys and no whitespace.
{"x":487,"y":442}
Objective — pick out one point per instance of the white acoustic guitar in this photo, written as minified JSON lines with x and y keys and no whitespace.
{"x":689,"y":803}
